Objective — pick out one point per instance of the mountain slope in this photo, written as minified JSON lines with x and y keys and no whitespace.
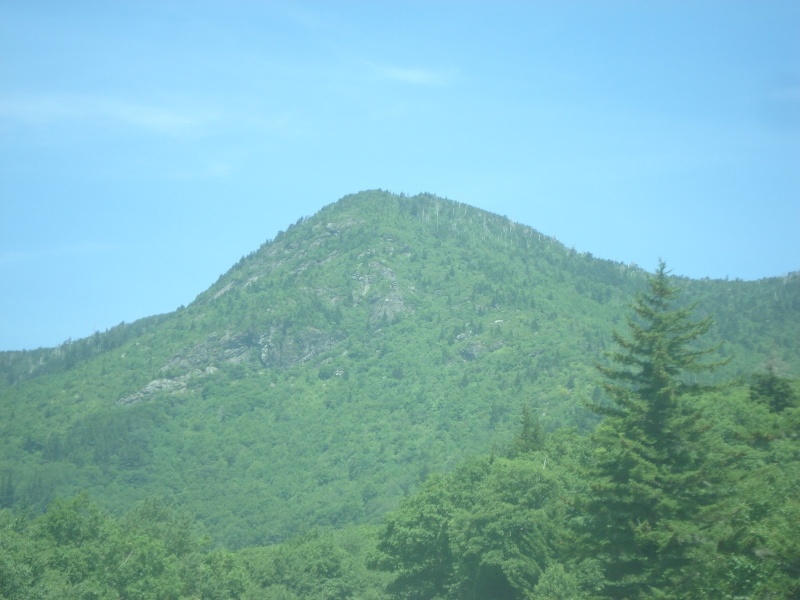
{"x":323,"y":376}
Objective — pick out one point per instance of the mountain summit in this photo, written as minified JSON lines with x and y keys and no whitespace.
{"x":324,"y":375}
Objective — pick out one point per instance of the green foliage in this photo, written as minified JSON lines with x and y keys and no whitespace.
{"x":326,"y":375}
{"x":754,"y":524}
{"x":557,"y":584}
{"x":312,"y":566}
{"x":531,"y":435}
{"x":773,"y":390}
{"x":19,"y":366}
{"x":650,"y":478}
{"x":75,"y":551}
{"x":491,"y":528}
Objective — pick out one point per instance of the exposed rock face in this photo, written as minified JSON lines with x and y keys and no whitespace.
{"x":194,"y":362}
{"x":381,"y":289}
{"x":284,"y":343}
{"x":391,"y":304}
{"x":472,"y":352}
{"x":218,"y":348}
{"x":172,"y":385}
{"x":275,"y":349}
{"x":284,"y":351}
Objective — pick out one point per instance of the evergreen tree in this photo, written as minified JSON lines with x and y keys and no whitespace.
{"x":773,"y":390}
{"x":648,"y":479}
{"x":530,"y":436}
{"x":7,"y":491}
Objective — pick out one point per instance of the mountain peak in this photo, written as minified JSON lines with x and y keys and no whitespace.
{"x":321,"y":377}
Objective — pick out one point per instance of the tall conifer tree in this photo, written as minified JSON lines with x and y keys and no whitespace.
{"x":648,"y":479}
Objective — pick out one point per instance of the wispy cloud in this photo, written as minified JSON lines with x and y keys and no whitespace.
{"x":782,"y":111}
{"x":13,"y":257}
{"x":420,"y":76}
{"x":787,"y":93}
{"x":313,"y":19}
{"x":213,"y":169}
{"x":49,"y":108}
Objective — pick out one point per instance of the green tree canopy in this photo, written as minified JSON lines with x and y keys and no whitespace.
{"x":773,"y":390}
{"x":649,"y":479}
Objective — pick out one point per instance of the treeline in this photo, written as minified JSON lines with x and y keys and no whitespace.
{"x":511,"y":525}
{"x":322,"y":378}
{"x":18,"y":365}
{"x":684,"y":490}
{"x":77,"y":552}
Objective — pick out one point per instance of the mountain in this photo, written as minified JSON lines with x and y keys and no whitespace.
{"x":324,"y":376}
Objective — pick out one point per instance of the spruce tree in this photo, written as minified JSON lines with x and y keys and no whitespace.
{"x":647,"y":480}
{"x":774,"y":391}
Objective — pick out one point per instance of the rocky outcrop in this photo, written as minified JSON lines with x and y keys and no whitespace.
{"x":381,"y":289}
{"x":275,"y":349}
{"x":195,"y":362}
{"x":172,"y":385}
{"x":282,"y":351}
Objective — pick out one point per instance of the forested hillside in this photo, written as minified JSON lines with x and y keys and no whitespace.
{"x":384,"y":342}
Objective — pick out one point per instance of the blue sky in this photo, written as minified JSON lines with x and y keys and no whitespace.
{"x":146,"y":146}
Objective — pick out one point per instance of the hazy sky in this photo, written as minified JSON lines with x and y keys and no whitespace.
{"x":146,"y":146}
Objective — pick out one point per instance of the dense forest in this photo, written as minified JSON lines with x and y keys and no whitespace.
{"x":411,"y":398}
